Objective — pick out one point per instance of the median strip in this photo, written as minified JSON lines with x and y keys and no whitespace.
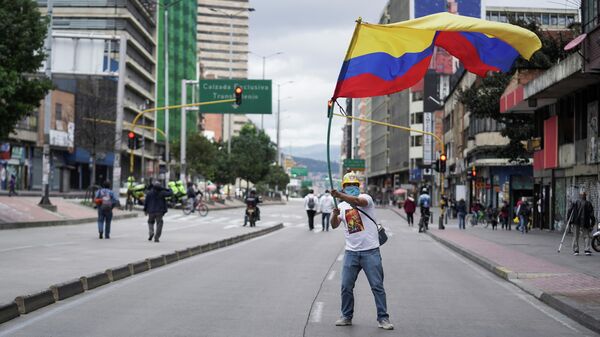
{"x":58,"y":292}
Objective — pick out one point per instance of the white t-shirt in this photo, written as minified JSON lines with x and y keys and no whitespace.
{"x":361,"y":233}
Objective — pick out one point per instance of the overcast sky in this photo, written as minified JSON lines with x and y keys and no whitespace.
{"x":313,"y":36}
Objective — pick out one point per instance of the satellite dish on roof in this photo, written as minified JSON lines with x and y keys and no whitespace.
{"x":575,"y":42}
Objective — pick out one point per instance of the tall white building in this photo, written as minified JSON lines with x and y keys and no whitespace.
{"x":223,"y":46}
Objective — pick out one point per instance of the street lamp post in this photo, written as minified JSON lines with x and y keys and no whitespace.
{"x":279,"y":85}
{"x":264,"y":59}
{"x":230,"y":15}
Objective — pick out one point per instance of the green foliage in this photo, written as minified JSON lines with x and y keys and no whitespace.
{"x":277,"y":177}
{"x":201,"y":156}
{"x":483,"y":98}
{"x":224,"y":170}
{"x":22,"y":34}
{"x":252,"y":154}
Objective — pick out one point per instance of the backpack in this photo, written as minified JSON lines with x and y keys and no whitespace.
{"x":106,"y":203}
{"x":311,"y":203}
{"x":525,"y":211}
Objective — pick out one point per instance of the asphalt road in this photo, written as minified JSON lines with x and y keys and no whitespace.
{"x":287,"y":284}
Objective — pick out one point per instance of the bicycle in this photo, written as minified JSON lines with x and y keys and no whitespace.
{"x":200,"y":207}
{"x":474,"y":220}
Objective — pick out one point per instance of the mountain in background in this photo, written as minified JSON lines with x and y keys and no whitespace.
{"x":317,"y":166}
{"x":315,"y":152}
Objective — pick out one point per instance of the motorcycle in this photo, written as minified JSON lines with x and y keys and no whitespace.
{"x":179,"y":194}
{"x":251,"y":215}
{"x":424,"y":221}
{"x":135,"y":193}
{"x":596,"y":239}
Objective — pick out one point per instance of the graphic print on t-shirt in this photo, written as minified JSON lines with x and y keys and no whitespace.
{"x":354,"y":221}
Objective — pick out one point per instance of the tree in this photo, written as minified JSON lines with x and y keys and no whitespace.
{"x":95,"y":104}
{"x":483,"y":98}
{"x":277,"y":177}
{"x":252,"y":153}
{"x":224,"y":170}
{"x":22,"y":34}
{"x":201,"y":155}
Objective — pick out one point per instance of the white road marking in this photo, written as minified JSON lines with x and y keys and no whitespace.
{"x":331,"y":275}
{"x":340,"y":257}
{"x":47,"y":245}
{"x":231,"y":226}
{"x":317,"y":313}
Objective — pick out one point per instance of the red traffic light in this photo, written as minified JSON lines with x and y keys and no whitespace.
{"x":473,"y":172}
{"x":131,"y":135}
{"x":443,"y":157}
{"x":238,"y":95}
{"x":238,"y":90}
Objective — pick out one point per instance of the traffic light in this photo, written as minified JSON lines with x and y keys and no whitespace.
{"x":131,"y":140}
{"x":238,"y":95}
{"x":442,"y":164}
{"x":473,"y":172}
{"x":436,"y":166}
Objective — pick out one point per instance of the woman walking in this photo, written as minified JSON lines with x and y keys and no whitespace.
{"x":409,"y":208}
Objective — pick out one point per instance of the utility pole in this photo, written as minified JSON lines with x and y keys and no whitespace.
{"x":166,"y":55}
{"x":45,"y":201}
{"x":116,"y":183}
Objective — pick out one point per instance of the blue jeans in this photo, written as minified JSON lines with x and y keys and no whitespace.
{"x":370,"y":262}
{"x":325,"y":219}
{"x":104,"y":217}
{"x":461,"y":220}
{"x":523,"y":223}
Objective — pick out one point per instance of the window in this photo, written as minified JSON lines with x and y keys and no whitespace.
{"x":589,"y":11}
{"x":554,"y":20}
{"x":546,"y":19}
{"x":417,"y":118}
{"x":417,"y":96}
{"x":416,"y":141}
{"x":58,"y":111}
{"x":503,"y":17}
{"x":562,"y":21}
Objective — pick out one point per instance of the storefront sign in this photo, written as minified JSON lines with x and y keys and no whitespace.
{"x":427,"y":139}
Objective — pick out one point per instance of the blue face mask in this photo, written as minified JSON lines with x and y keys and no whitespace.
{"x":352,"y":190}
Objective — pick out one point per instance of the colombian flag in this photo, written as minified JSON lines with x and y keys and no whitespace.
{"x":383,"y":59}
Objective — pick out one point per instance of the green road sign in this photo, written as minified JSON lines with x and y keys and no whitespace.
{"x":306,"y":183}
{"x":256,"y":96}
{"x":299,"y":171}
{"x":354,"y":164}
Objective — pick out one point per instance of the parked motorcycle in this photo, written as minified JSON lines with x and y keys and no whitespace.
{"x":135,"y":193}
{"x":596,"y":239}
{"x":179,"y":193}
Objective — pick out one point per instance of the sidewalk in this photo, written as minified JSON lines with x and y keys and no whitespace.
{"x":24,"y":212}
{"x":569,"y":284}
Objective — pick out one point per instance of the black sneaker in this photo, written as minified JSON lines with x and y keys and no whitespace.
{"x":100,"y":236}
{"x":576,"y":253}
{"x":588,"y":253}
{"x":156,"y":240}
{"x":107,"y":236}
{"x":150,"y":237}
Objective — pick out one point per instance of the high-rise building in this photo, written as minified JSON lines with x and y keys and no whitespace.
{"x":223,"y":48}
{"x":179,"y":58}
{"x":548,"y":18}
{"x":133,"y":19}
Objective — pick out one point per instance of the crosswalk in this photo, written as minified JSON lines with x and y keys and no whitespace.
{"x":179,"y":221}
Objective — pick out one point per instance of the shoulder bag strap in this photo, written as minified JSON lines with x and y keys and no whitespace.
{"x":367,"y":215}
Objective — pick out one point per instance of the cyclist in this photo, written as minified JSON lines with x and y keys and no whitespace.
{"x":424,"y":204}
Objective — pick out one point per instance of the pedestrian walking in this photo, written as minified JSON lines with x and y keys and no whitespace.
{"x":356,"y":212}
{"x":12,"y":183}
{"x":155,"y":207}
{"x":582,"y":217}
{"x":409,"y":209}
{"x":504,"y":216}
{"x":523,"y":212}
{"x":311,"y":203}
{"x":105,"y":202}
{"x":461,"y":212}
{"x":326,"y":206}
{"x":444,"y":207}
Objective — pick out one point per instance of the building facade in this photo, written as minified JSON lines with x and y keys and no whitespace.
{"x":222,"y":43}
{"x":81,"y":23}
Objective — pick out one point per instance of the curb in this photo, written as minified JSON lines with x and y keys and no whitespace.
{"x":32,"y":224}
{"x":58,"y":292}
{"x":552,"y":301}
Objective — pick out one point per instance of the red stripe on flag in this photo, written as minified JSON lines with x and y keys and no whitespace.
{"x":368,"y":85}
{"x":461,"y":48}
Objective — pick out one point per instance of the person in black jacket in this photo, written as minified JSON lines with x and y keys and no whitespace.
{"x":582,"y":217}
{"x":155,"y":207}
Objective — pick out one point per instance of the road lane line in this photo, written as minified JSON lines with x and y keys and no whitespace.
{"x":47,"y":245}
{"x":331,"y":275}
{"x":317,"y":314}
{"x":231,"y":226}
